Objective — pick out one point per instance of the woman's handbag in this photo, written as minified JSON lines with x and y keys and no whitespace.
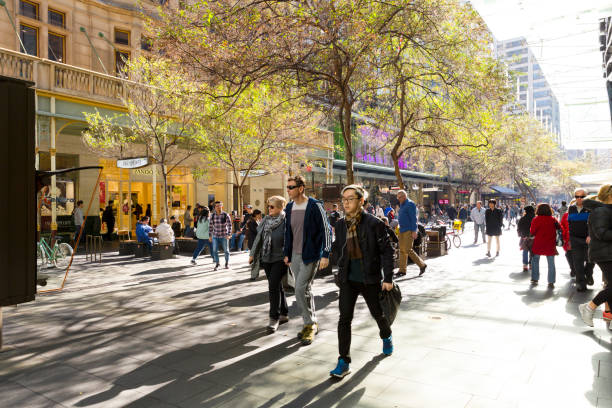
{"x":390,"y":301}
{"x":526,"y":243}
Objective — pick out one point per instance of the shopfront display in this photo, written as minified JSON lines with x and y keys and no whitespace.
{"x":134,"y":190}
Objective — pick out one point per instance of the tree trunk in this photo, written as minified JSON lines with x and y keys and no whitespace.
{"x":348,"y":143}
{"x":398,"y":175}
{"x":239,"y":198}
{"x":165,"y":177}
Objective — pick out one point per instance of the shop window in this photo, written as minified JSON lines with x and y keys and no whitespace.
{"x":29,"y":38}
{"x":57,"y":47}
{"x":121,"y":58}
{"x":57,"y":18}
{"x":28,"y":9}
{"x":122,"y":37}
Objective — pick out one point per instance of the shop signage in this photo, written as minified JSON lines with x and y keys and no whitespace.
{"x":442,"y":201}
{"x":463,"y":192}
{"x":133,"y":163}
{"x":431,"y":189}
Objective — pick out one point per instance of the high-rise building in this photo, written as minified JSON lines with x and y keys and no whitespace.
{"x":533,"y":92}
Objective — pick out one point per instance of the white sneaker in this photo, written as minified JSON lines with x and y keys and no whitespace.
{"x":272,"y":325}
{"x":586,"y":313}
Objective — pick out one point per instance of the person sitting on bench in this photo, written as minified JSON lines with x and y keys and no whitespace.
{"x":142,"y":232}
{"x":165,"y":234}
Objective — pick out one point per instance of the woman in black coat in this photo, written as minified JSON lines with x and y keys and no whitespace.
{"x":523,"y":227}
{"x":494,"y":222}
{"x":600,"y":251}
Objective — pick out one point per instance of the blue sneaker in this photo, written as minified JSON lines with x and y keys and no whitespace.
{"x":341,"y":370}
{"x":388,"y":346}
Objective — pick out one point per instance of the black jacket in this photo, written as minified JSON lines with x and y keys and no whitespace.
{"x":600,"y":231}
{"x":578,"y":223}
{"x":375,"y":246}
{"x":494,"y":221}
{"x":523,"y":226}
{"x":251,"y":232}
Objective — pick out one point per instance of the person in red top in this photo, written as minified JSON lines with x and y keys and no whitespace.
{"x":544,"y":230}
{"x":567,"y":247}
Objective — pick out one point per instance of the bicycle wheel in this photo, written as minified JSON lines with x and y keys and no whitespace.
{"x":61,"y":255}
{"x":448,"y":243}
{"x":41,"y":258}
{"x":457,"y":241}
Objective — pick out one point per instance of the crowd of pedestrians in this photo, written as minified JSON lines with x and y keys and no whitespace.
{"x":293,"y":240}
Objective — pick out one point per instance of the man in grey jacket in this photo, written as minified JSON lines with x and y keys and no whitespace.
{"x":478,"y":216}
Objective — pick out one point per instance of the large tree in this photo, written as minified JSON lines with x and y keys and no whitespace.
{"x":262,"y":131}
{"x":444,"y":91}
{"x":161,"y":120}
{"x":330,"y":50}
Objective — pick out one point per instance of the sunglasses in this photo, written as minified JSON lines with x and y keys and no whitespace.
{"x":271,"y":207}
{"x":579,"y":196}
{"x":292,"y":187}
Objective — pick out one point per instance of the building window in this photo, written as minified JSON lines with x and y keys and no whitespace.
{"x":28,"y":9}
{"x":121,"y":58}
{"x":57,"y":18}
{"x":146,"y":43}
{"x":122,"y":37}
{"x":57,"y":47}
{"x":29,"y":38}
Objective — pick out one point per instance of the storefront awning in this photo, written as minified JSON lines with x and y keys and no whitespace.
{"x":504,"y":191}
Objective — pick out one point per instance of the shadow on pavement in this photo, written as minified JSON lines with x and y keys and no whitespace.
{"x":211,"y":288}
{"x":483,"y":261}
{"x":341,"y":394}
{"x":207,"y":383}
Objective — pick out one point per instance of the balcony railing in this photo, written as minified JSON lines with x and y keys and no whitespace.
{"x":61,"y":78}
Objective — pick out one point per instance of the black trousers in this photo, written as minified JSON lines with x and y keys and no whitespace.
{"x":278,"y":303}
{"x":349,"y":292}
{"x":606,"y":294}
{"x":570,"y":261}
{"x":582,"y":267}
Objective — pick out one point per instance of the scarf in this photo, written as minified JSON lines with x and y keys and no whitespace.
{"x":269,"y":225}
{"x":352,"y":240}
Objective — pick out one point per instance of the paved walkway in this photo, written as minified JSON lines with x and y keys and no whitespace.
{"x":471,"y":333}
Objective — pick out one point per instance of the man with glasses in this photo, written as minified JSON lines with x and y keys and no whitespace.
{"x":220,"y":231}
{"x":307,"y":245}
{"x":577,"y":218}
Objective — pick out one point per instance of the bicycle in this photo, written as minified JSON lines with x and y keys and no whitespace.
{"x":58,"y":256}
{"x":456,"y":238}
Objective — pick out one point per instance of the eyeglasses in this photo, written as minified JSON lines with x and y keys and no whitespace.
{"x":579,"y":196}
{"x":271,"y":207}
{"x":292,"y":187}
{"x":348,"y":200}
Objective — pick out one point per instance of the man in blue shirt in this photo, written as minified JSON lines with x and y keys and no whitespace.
{"x":408,"y":233}
{"x":142,"y":232}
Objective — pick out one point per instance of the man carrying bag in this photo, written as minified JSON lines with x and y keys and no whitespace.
{"x":365,"y":266}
